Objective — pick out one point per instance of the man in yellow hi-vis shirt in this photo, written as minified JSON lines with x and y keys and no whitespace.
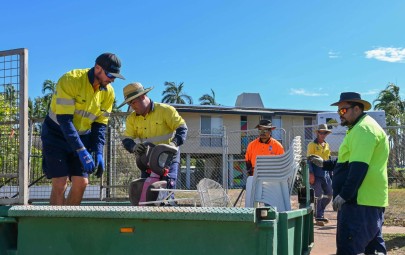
{"x":153,"y":123}
{"x":319,"y":179}
{"x":75,"y":127}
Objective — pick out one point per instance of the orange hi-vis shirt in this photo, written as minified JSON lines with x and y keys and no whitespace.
{"x":257,"y":148}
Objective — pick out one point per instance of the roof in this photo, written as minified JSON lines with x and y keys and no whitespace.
{"x":249,"y":100}
{"x":241,"y":110}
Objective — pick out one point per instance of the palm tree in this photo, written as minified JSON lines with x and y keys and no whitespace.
{"x":10,"y":93}
{"x":10,"y":97}
{"x":390,"y":101}
{"x":50,"y":86}
{"x":174,"y":94}
{"x":207,"y":99}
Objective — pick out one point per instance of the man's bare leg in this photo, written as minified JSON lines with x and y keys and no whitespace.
{"x":59,"y":185}
{"x":75,"y":196}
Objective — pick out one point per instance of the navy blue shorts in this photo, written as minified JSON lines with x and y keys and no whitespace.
{"x":58,"y":159}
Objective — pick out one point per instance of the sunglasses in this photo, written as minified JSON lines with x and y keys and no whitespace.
{"x":109,"y":75}
{"x":264,"y":131}
{"x":322,"y":133}
{"x":343,"y":111}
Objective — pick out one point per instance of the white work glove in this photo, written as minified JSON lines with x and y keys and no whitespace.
{"x":317,"y":160}
{"x":173,"y":144}
{"x":338,"y":202}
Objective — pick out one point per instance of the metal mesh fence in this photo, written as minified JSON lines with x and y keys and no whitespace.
{"x":214,"y":154}
{"x":219,"y":157}
{"x":13,"y":118}
{"x":396,"y":138}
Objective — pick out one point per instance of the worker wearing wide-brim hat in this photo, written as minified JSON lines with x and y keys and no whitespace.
{"x":152,"y":122}
{"x":263,"y":145}
{"x":360,"y":181}
{"x":319,"y":179}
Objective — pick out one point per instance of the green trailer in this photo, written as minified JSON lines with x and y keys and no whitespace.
{"x":95,"y":229}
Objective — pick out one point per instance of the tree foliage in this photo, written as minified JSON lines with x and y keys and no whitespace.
{"x":390,"y":101}
{"x":174,"y":94}
{"x":208,"y":99}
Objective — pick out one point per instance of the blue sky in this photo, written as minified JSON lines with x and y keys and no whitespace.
{"x":296,"y":54}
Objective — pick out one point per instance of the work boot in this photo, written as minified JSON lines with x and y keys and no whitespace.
{"x":320,"y":223}
{"x":324,"y":220}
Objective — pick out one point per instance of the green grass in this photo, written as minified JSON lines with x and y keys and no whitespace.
{"x":395,"y":243}
{"x":395,"y":213}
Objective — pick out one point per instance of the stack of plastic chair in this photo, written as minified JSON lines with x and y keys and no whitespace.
{"x":273,"y":179}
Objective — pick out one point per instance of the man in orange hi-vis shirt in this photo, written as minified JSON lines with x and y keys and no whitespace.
{"x":263,"y":145}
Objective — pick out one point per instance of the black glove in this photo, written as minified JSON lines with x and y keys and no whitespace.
{"x":139,"y":149}
{"x":249,"y":168}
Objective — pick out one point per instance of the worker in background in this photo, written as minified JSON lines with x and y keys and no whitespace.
{"x":263,"y":145}
{"x":319,"y":179}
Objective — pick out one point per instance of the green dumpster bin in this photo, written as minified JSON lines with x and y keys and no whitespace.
{"x":159,"y":230}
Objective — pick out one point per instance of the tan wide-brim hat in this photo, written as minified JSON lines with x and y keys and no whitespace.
{"x":323,"y":127}
{"x":132,"y":91}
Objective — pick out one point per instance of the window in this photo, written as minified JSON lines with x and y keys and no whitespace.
{"x":277,"y":133}
{"x":211,"y":131}
{"x":244,"y":136}
{"x":308,"y":128}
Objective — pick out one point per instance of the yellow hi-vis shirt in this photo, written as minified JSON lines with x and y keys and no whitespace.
{"x":318,"y":149}
{"x":75,"y":95}
{"x":157,"y":127}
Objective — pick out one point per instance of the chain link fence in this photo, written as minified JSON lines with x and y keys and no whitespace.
{"x":396,"y":138}
{"x":214,"y":154}
{"x":218,"y":156}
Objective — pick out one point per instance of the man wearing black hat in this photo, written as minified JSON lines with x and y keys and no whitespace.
{"x":360,"y":182}
{"x":263,"y":145}
{"x":75,"y":127}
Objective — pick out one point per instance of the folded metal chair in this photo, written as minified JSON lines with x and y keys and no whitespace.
{"x":212,"y":194}
{"x":209,"y":193}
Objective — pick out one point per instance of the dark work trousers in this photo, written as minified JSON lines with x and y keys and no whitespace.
{"x":359,"y":230}
{"x":323,"y":193}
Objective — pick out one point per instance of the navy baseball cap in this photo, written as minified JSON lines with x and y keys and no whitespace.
{"x":110,"y":63}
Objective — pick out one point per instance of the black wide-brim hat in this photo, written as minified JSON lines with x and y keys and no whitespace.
{"x":265,"y":124}
{"x":353,"y":97}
